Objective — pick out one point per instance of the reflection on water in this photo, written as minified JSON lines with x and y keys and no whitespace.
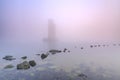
{"x":89,"y":63}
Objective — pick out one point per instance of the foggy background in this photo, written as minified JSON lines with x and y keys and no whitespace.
{"x":88,"y":29}
{"x":26,"y":21}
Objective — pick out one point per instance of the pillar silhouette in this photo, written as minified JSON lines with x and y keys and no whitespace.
{"x":51,"y":33}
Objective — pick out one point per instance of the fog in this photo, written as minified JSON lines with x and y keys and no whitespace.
{"x":64,"y":39}
{"x":75,"y":20}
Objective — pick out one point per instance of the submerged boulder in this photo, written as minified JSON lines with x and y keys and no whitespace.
{"x":95,"y":45}
{"x":32,"y":63}
{"x":98,"y":45}
{"x":24,"y":57}
{"x":10,"y":58}
{"x":82,"y":48}
{"x":64,"y":50}
{"x":82,"y":75}
{"x":103,"y":45}
{"x":25,"y":65}
{"x":43,"y":56}
{"x":69,"y":51}
{"x":8,"y":66}
{"x":114,"y":44}
{"x":54,"y":51}
{"x":91,"y":46}
{"x":38,"y":54}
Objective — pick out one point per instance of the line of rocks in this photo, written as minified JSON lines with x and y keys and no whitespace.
{"x":53,"y":52}
{"x":27,"y":64}
{"x":103,"y":45}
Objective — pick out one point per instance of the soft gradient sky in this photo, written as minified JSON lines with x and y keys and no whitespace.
{"x":26,"y":20}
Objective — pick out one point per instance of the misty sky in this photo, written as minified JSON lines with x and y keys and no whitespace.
{"x":26,"y":20}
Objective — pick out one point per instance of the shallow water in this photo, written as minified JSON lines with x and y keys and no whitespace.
{"x":97,"y":63}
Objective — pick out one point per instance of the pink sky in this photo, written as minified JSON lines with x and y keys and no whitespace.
{"x":75,"y":20}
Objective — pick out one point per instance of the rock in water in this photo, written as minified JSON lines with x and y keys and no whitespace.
{"x":114,"y":44}
{"x":82,"y":48}
{"x":104,"y":45}
{"x":43,"y":56}
{"x":53,"y":51}
{"x":24,"y":57}
{"x":69,"y":51}
{"x":32,"y":63}
{"x":38,"y":54}
{"x":25,"y":65}
{"x":95,"y":45}
{"x":91,"y":46}
{"x":82,"y":75}
{"x":10,"y":58}
{"x":98,"y":45}
{"x":8,"y":66}
{"x":65,"y":50}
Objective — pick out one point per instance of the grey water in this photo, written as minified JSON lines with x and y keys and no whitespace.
{"x":97,"y":63}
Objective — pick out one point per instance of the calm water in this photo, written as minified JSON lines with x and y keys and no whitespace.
{"x":99,"y":63}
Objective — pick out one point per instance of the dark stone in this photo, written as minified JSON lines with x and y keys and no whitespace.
{"x":82,"y":48}
{"x":65,"y":50}
{"x":23,"y":66}
{"x":98,"y":45}
{"x":9,"y":58}
{"x":43,"y":56}
{"x":91,"y":46}
{"x":82,"y":75}
{"x":38,"y":54}
{"x":69,"y":51}
{"x":104,"y":45}
{"x":24,"y":57}
{"x":53,"y":51}
{"x":95,"y":45}
{"x":32,"y":63}
{"x":8,"y":66}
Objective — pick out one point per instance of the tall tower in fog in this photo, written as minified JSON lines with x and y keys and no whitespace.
{"x":51,"y":34}
{"x":51,"y":31}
